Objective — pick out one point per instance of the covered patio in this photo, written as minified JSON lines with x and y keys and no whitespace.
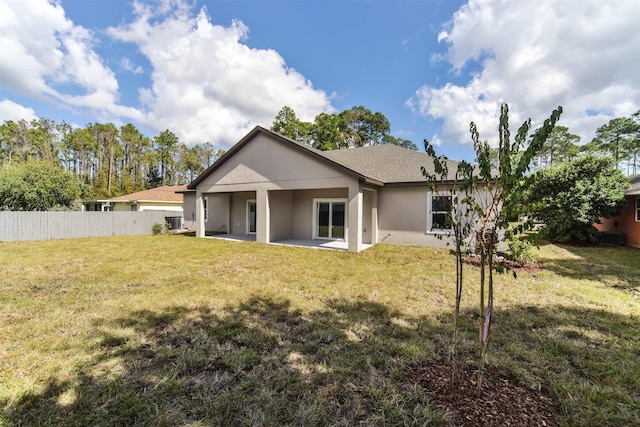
{"x":273,"y":190}
{"x":305,"y":243}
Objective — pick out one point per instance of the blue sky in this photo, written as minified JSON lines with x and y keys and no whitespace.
{"x":211,"y":70}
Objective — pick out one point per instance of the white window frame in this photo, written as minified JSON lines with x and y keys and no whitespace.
{"x":430,"y":196}
{"x":247,"y":215}
{"x":315,"y":218}
{"x":638,"y":209}
{"x":205,"y":206}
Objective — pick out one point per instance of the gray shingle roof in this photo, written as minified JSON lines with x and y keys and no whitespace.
{"x":387,"y":163}
{"x":383,"y":164}
{"x":165,"y":193}
{"x":635,"y":185}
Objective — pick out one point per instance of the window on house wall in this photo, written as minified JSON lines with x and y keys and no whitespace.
{"x":439,"y":212}
{"x":638,"y":209}
{"x":134,"y":208}
{"x":205,"y":205}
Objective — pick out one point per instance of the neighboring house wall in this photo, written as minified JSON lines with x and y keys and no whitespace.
{"x":626,"y":223}
{"x":146,"y":206}
{"x":121,"y":207}
{"x":159,"y":206}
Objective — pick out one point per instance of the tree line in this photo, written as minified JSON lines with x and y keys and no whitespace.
{"x":106,"y":160}
{"x":356,"y":127}
{"x":359,"y":127}
{"x":102,"y":160}
{"x":619,"y":139}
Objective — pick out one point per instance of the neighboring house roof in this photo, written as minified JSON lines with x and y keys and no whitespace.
{"x":635,"y":186}
{"x":165,"y":193}
{"x":379,"y":165}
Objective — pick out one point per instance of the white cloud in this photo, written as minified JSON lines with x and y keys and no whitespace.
{"x":207,"y":85}
{"x":53,"y":60}
{"x":535,"y":56}
{"x":127,"y":65}
{"x":9,"y":110}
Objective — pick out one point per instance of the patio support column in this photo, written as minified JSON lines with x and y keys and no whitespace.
{"x":355,"y":218}
{"x":199,"y":215}
{"x":374,"y":217}
{"x":227,"y":219}
{"x":263,"y":220}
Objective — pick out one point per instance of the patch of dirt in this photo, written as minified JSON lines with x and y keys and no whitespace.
{"x":504,"y":400}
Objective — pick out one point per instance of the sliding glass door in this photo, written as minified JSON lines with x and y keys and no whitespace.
{"x":330,"y":220}
{"x":251,"y":217}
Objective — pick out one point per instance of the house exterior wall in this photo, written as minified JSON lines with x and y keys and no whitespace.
{"x":624,"y":223}
{"x":284,"y":180}
{"x":218,"y":213}
{"x":402,"y":217}
{"x":271,"y":165}
{"x":189,"y":210}
{"x":367,"y":212}
{"x":238,"y":212}
{"x":303,"y":209}
{"x":282,"y":214}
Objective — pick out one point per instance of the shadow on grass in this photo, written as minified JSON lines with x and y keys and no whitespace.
{"x":258,"y":363}
{"x":617,"y":267}
{"x":263,"y":362}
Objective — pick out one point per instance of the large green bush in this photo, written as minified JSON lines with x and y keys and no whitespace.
{"x":574,"y":195}
{"x":38,"y":186}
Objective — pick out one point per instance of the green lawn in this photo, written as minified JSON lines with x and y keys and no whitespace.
{"x":173,"y":330}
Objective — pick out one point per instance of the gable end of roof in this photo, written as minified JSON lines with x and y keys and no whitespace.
{"x":317,"y":154}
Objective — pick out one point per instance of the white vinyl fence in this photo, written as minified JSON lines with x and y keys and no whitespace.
{"x":68,"y":225}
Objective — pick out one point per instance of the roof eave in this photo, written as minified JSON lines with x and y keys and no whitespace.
{"x":167,"y":202}
{"x":375,"y":182}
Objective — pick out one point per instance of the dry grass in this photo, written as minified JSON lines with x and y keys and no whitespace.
{"x":170,"y":330}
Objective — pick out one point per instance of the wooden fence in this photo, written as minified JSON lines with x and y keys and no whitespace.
{"x":68,"y":225}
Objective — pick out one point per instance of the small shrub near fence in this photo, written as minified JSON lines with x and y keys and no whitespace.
{"x":157,"y":228}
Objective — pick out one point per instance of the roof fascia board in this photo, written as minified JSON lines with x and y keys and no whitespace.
{"x":164,"y":202}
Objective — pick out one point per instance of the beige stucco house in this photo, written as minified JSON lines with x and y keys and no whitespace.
{"x":277,"y":189}
{"x":165,"y":198}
